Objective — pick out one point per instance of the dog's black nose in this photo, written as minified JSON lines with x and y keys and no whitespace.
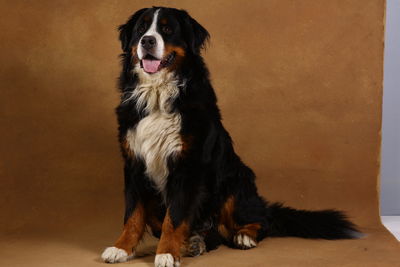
{"x":148,"y":42}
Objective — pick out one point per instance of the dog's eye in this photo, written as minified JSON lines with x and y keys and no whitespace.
{"x":141,"y":29}
{"x":166,"y":29}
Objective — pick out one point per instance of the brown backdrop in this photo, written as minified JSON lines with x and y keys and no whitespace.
{"x":299,"y":85}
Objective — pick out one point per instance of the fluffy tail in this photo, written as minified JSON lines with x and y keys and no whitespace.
{"x":325,"y":224}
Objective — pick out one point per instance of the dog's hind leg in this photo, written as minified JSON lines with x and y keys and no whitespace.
{"x":240,"y":230}
{"x":246,"y":236}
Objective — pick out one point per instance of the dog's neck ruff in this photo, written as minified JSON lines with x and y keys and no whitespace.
{"x":156,"y":138}
{"x":155,"y":92}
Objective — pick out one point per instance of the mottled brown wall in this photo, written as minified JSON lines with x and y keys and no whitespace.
{"x":299,"y":85}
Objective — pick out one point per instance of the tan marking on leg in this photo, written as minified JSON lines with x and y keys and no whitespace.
{"x":172,"y":239}
{"x":226,"y":226}
{"x":250,"y":230}
{"x":224,"y":232}
{"x":133,"y":230}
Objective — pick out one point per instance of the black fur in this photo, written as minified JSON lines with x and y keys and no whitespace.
{"x":209,"y":172}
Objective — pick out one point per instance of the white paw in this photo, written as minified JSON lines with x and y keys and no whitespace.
{"x":165,"y":260}
{"x":114,"y":254}
{"x":244,"y":241}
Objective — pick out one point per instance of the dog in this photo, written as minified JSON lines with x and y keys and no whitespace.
{"x":183,"y":178}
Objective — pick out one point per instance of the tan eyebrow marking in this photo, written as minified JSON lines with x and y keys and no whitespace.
{"x":163,"y":21}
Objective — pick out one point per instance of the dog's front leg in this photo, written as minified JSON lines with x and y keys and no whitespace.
{"x":184,"y":185}
{"x":172,"y":238}
{"x":134,"y":221}
{"x":132,"y":233}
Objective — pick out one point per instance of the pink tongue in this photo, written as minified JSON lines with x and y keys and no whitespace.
{"x":151,"y":66}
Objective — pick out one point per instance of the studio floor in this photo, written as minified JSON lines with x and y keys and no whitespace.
{"x":82,"y":247}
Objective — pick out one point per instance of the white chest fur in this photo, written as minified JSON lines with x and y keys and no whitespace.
{"x":156,"y":137}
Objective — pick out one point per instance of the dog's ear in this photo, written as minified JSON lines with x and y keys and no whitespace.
{"x":195,"y":34}
{"x":126,"y":30}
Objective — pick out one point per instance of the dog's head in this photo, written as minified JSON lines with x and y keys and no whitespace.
{"x":160,"y":38}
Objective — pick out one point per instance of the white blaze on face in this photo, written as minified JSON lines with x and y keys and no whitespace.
{"x":152,"y":31}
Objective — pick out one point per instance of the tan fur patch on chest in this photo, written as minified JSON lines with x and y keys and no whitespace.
{"x":156,"y":137}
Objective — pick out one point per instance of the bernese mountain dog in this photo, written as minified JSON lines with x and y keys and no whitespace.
{"x":183,"y":178}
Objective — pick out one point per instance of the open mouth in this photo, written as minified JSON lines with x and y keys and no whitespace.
{"x":151,"y":64}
